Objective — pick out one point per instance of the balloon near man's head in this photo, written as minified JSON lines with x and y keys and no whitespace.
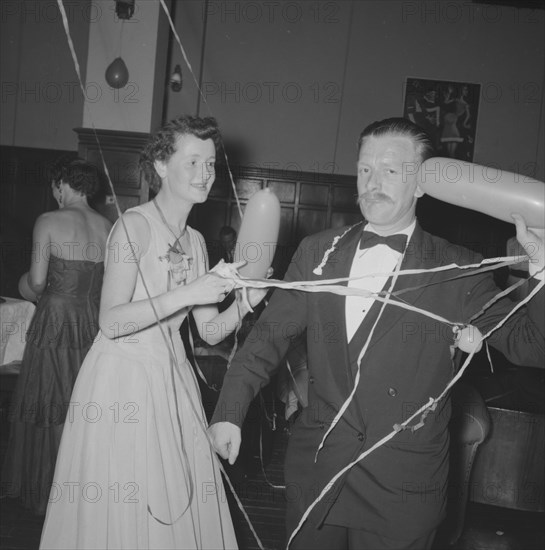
{"x":258,"y":235}
{"x":491,"y":191}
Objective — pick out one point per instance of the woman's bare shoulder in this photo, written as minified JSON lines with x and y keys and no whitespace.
{"x":101,"y":219}
{"x":48,"y":220}
{"x":131,"y":227}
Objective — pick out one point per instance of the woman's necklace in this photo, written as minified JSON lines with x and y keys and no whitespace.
{"x":178,"y":261}
{"x":166,"y":224}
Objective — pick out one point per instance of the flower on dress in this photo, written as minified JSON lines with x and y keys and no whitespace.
{"x":178,"y":262}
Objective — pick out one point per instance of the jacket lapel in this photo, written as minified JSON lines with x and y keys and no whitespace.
{"x":332,"y":306}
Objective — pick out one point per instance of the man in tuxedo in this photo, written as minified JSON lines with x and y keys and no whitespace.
{"x":395,"y":496}
{"x":228,"y":240}
{"x":224,"y":249}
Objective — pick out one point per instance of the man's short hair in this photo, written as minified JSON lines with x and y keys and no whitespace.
{"x":401,"y":127}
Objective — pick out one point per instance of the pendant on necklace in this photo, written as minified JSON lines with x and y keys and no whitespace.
{"x":179,"y":263}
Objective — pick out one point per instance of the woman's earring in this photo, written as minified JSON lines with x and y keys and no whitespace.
{"x":60,"y":197}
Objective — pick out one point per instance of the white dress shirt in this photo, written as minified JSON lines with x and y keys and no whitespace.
{"x":378,"y":259}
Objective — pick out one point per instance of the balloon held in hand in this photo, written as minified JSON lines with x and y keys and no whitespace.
{"x":492,"y":191}
{"x":258,"y":235}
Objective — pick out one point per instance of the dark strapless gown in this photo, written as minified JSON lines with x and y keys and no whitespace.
{"x":62,"y":330}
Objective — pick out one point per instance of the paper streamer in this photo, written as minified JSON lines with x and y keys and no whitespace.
{"x":398,"y":427}
{"x":151,"y":300}
{"x":329,"y":286}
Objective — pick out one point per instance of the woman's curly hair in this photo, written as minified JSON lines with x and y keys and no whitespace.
{"x":80,"y":175}
{"x":162,"y":144}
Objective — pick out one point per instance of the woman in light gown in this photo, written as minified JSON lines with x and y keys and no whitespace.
{"x":135,"y":468}
{"x":65,"y":277}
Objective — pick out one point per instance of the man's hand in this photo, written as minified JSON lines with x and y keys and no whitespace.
{"x":532,"y":240}
{"x":226,"y":439}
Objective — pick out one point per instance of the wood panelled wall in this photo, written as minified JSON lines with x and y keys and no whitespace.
{"x":120,"y":152}
{"x":26,"y":193}
{"x":310,"y":202}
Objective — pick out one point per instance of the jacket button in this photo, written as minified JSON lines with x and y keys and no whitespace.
{"x":361,"y":437}
{"x":392,"y":392}
{"x":311,"y":379}
{"x":322,"y":426}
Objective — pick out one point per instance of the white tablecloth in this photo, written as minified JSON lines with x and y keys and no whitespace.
{"x":15,"y":317}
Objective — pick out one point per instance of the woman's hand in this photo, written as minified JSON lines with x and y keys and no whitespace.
{"x":255,"y":295}
{"x":209,"y":289}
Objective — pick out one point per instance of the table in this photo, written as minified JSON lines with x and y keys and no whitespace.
{"x":15,"y":317}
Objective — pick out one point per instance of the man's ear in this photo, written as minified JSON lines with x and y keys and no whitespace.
{"x":418,"y":192}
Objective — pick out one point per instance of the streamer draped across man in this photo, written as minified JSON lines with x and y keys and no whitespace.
{"x":373,"y":361}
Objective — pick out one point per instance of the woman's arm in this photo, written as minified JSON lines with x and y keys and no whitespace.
{"x":41,"y":247}
{"x":214,"y":327}
{"x":118,"y":315}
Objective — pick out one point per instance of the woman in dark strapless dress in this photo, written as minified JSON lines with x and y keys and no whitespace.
{"x":62,"y":330}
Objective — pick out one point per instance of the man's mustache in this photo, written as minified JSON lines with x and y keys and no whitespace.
{"x":364,"y":197}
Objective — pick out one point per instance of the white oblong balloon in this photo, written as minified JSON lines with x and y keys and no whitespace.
{"x":258,"y":235}
{"x":491,"y":191}
{"x":24,"y":289}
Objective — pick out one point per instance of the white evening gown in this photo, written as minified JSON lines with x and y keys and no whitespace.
{"x":135,"y":469}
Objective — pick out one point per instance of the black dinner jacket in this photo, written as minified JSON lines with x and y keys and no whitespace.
{"x":399,"y":487}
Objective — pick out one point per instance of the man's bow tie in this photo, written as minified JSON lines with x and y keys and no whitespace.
{"x":396,"y":242}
